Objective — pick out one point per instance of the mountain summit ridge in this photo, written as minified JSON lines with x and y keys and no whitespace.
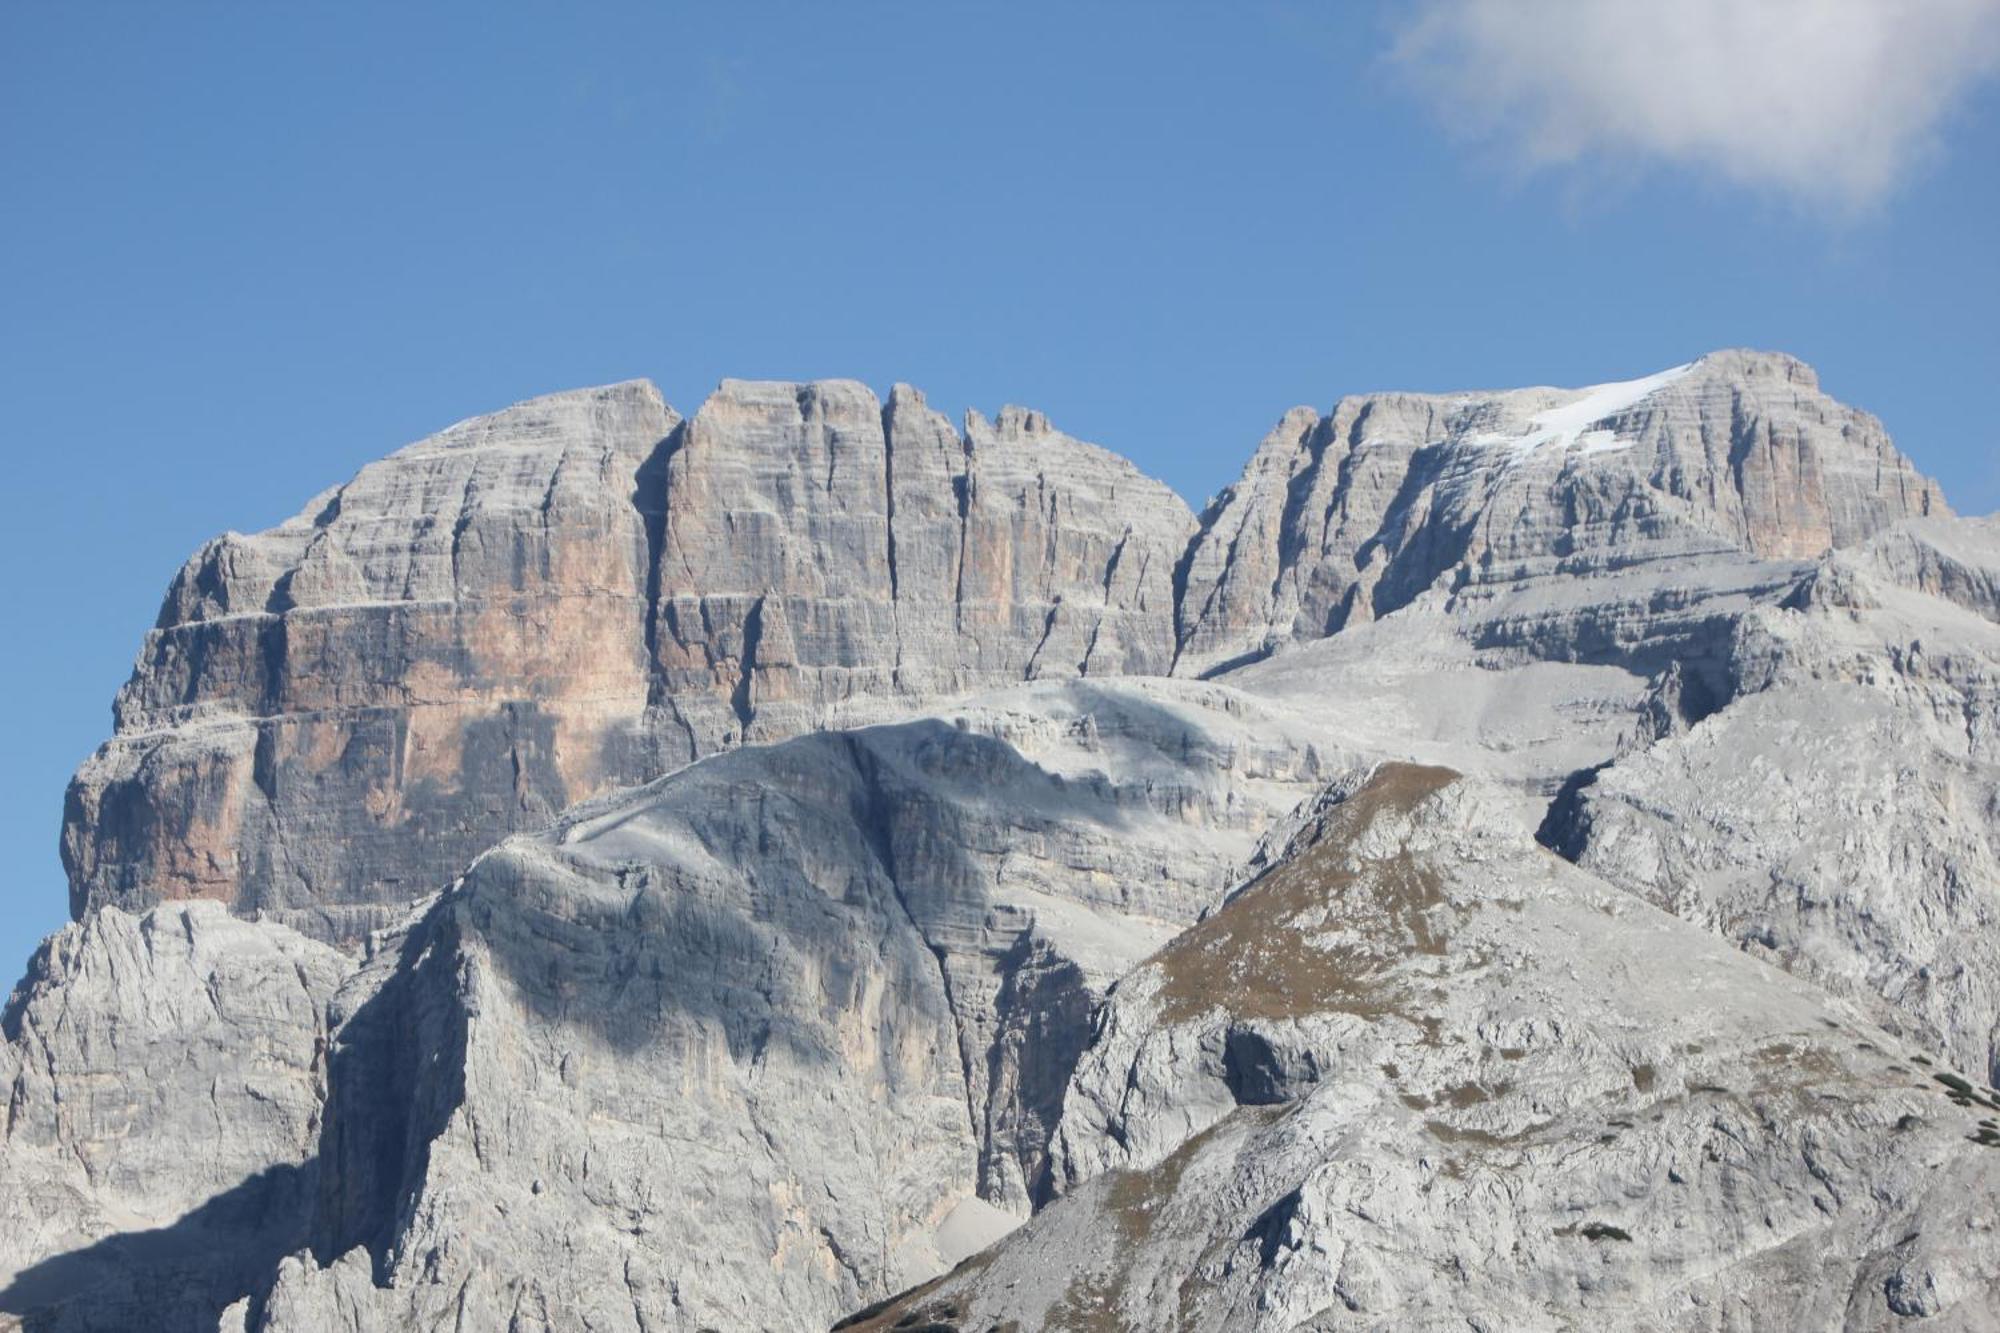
{"x":332,"y":715}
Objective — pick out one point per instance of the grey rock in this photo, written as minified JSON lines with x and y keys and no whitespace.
{"x":163,"y":1077}
{"x":583,"y":592}
{"x":1839,"y":816}
{"x":1343,"y":519}
{"x":1420,"y":1074}
{"x":777,"y":1035}
{"x":334,"y":716}
{"x":929,"y":771}
{"x":822,"y":549}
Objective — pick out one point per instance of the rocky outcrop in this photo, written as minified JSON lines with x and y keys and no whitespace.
{"x":163,"y":1081}
{"x":1839,"y":817}
{"x":1342,"y":519}
{"x":823,"y":551}
{"x":1422,"y":1074}
{"x":337,"y":714}
{"x":777,"y":1035}
{"x":583,"y":592}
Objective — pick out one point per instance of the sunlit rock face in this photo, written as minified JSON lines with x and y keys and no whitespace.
{"x":583,"y":592}
{"x":824,"y":552}
{"x":339,"y":712}
{"x":1420,"y":1073}
{"x":1341,"y":519}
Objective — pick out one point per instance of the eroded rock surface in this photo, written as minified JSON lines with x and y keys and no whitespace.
{"x":583,"y":592}
{"x":1342,"y":519}
{"x":163,"y":1077}
{"x":1422,"y":1074}
{"x":772,"y":1037}
{"x":985,"y":721}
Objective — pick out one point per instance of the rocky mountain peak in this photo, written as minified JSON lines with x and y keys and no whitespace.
{"x":1343,"y":520}
{"x":584,"y":590}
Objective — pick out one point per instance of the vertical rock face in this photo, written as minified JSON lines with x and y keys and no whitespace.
{"x":822,"y":549}
{"x":341,"y":711}
{"x":581,"y":592}
{"x":1342,"y":519}
{"x":774,"y":585}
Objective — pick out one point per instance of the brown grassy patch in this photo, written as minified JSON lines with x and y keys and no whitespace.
{"x":1132,"y":1203}
{"x":1254,"y":958}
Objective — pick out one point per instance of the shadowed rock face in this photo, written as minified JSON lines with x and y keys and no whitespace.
{"x":749,"y":1046}
{"x":585,"y":592}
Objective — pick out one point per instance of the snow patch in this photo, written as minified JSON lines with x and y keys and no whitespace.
{"x":1569,"y":426}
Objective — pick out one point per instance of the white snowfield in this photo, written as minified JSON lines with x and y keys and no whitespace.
{"x":1570,"y":425}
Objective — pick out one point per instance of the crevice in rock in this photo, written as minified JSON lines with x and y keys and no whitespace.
{"x":889,"y":489}
{"x":1183,"y":567}
{"x":961,"y":487}
{"x":1565,"y":828}
{"x":1048,"y":628}
{"x":649,"y":498}
{"x":740,"y":695}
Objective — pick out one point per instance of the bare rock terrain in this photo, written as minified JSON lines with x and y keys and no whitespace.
{"x":600,"y":869}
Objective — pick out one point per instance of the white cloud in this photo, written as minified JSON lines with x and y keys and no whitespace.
{"x":1830,"y":101}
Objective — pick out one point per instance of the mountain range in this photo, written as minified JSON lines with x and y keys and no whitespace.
{"x":1513,"y":860}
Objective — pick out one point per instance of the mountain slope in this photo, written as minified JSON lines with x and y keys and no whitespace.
{"x":777,"y":1035}
{"x":1422,"y":1074}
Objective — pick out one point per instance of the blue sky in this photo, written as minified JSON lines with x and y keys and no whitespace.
{"x":246,"y":248}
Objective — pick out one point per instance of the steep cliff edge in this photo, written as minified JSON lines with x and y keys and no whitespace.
{"x":584,"y":592}
{"x":335,"y":715}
